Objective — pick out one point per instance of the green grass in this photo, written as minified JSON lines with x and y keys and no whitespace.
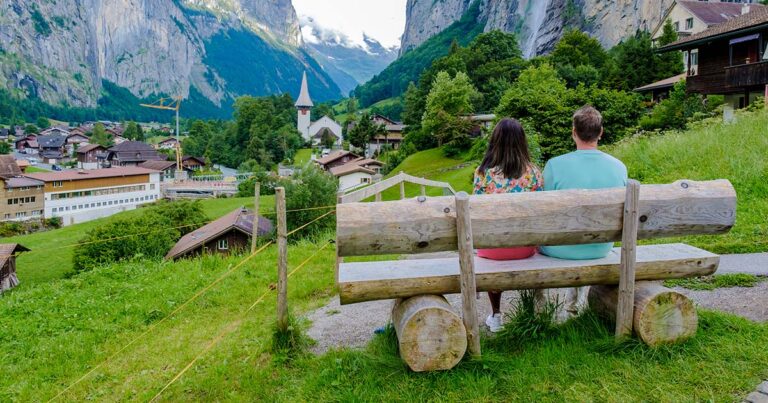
{"x":50,"y":257}
{"x":31,"y":170}
{"x":716,"y":281}
{"x":712,"y":150}
{"x":56,"y":332}
{"x":302,"y":157}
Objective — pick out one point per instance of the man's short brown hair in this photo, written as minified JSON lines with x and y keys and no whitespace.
{"x":588,"y":123}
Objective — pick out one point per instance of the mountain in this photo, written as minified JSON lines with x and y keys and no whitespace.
{"x":75,"y":53}
{"x":348,"y":62}
{"x":539,"y":23}
{"x":431,"y":25}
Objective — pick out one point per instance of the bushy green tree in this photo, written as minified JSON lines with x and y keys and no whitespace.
{"x":43,"y":122}
{"x":128,"y":238}
{"x":131,"y":131}
{"x":5,"y":148}
{"x":637,"y":63}
{"x":675,"y":111}
{"x":448,"y":104}
{"x":196,"y":142}
{"x":363,"y":131}
{"x":323,"y":109}
{"x":309,"y":188}
{"x":579,"y":58}
{"x":100,"y":136}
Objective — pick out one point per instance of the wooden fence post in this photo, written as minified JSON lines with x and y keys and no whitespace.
{"x":255,"y":230}
{"x":423,"y":190}
{"x":467,"y":266}
{"x":339,"y":259}
{"x":402,"y":187}
{"x":626,"y":297}
{"x":378,"y":196}
{"x":282,"y":260}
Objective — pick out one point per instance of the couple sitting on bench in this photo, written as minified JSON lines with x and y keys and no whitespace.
{"x":507,"y":168}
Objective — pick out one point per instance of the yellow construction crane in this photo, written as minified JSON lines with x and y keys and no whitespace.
{"x":170,"y":104}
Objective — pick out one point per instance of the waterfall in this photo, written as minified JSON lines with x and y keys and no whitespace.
{"x":535,"y":15}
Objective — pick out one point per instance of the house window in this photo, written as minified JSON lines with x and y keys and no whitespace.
{"x":365,"y":180}
{"x":689,"y":23}
{"x":223,"y":244}
{"x":676,"y":25}
{"x":745,"y":50}
{"x":58,"y":184}
{"x":694,"y":63}
{"x":7,"y":215}
{"x":152,"y":187}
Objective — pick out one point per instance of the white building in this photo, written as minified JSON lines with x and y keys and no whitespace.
{"x":80,"y":196}
{"x":313,"y":131}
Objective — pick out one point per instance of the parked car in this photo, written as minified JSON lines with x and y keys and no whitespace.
{"x":55,"y":167}
{"x":32,"y":161}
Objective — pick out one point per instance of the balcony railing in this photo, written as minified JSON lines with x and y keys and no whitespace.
{"x":747,"y":75}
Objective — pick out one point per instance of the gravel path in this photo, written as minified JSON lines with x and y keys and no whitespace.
{"x":353,"y":325}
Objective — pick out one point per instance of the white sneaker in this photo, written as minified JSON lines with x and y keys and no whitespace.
{"x":494,"y":322}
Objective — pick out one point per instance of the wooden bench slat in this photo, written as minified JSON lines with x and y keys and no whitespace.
{"x":535,"y":218}
{"x":369,"y":281}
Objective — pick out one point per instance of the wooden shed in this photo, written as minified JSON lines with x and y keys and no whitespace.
{"x":8,"y":252}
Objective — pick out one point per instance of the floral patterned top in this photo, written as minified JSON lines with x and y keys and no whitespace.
{"x":492,"y":182}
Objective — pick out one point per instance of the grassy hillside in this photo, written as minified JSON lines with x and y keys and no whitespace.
{"x":713,"y":150}
{"x":51,"y":251}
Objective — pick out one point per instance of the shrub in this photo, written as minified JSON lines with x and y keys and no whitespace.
{"x":269,"y":181}
{"x":676,"y":111}
{"x":310,"y":187}
{"x":149,"y":235}
{"x":53,"y":222}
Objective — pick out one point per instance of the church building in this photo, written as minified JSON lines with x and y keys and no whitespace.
{"x":314,"y":131}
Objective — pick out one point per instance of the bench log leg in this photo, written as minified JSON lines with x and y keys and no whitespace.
{"x":430,"y":334}
{"x":661,"y":315}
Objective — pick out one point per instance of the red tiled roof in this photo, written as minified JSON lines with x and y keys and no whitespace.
{"x":711,"y":12}
{"x":90,"y":174}
{"x":758,"y":16}
{"x":347,"y":169}
{"x":334,"y":156}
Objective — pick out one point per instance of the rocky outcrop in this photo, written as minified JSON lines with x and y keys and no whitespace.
{"x":539,"y":23}
{"x":61,"y":51}
{"x":425,"y":18}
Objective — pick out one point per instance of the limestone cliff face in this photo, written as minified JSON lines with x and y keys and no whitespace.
{"x":61,"y":51}
{"x":425,"y":18}
{"x":538,"y":23}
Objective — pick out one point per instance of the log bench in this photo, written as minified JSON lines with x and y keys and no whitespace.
{"x":432,"y":336}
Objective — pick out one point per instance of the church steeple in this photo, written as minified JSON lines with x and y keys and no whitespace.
{"x":304,"y":100}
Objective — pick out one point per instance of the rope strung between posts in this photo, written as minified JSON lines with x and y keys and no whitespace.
{"x":310,"y":223}
{"x":156,"y":324}
{"x":232,"y":327}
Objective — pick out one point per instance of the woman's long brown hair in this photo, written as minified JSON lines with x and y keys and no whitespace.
{"x":507,"y":150}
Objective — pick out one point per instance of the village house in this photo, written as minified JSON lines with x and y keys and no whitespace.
{"x":167,"y":144}
{"x":228,"y":234}
{"x":689,"y":17}
{"x":23,"y":165}
{"x":8,"y":253}
{"x":27,"y":144}
{"x":166,"y":168}
{"x":730,"y":58}
{"x":52,"y":148}
{"x":133,"y":153}
{"x":191,"y":163}
{"x":393,"y":136}
{"x":74,"y":141}
{"x":84,"y":195}
{"x":55,"y":131}
{"x":336,"y":158}
{"x":90,"y":156}
{"x":358,"y":172}
{"x":5,"y":134}
{"x":21,"y":198}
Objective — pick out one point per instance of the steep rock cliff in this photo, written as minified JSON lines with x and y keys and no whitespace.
{"x":59,"y":52}
{"x":539,"y":23}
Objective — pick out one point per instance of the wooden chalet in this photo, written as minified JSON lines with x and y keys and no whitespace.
{"x":8,"y":252}
{"x":336,"y":158}
{"x":192,"y":163}
{"x":730,"y":58}
{"x":167,"y":169}
{"x":133,"y":153}
{"x":52,"y":148}
{"x":225,"y":235}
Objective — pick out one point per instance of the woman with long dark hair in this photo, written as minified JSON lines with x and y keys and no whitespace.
{"x":506,"y":168}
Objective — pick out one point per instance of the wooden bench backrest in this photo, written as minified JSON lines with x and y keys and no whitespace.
{"x":423,"y":225}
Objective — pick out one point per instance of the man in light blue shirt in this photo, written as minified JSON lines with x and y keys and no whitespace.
{"x":585,"y":168}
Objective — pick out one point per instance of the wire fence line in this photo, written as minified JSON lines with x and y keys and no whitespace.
{"x":231,"y":328}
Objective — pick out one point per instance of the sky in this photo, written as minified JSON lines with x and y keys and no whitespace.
{"x":383,"y":20}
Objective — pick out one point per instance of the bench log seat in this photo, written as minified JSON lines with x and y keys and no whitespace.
{"x":369,"y":281}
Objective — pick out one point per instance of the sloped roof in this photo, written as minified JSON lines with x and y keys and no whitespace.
{"x":304,"y":101}
{"x":9,"y":249}
{"x":131,"y":146}
{"x":711,"y":12}
{"x":89,"y":174}
{"x":190,"y":157}
{"x":665,"y":83}
{"x":51,"y":141}
{"x":347,"y":169}
{"x":158,"y":165}
{"x":8,"y":166}
{"x":86,"y":148}
{"x":22,"y":182}
{"x":240,"y":220}
{"x":757,"y":18}
{"x":334,"y":156}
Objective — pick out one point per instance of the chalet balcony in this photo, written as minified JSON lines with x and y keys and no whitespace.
{"x":747,"y":75}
